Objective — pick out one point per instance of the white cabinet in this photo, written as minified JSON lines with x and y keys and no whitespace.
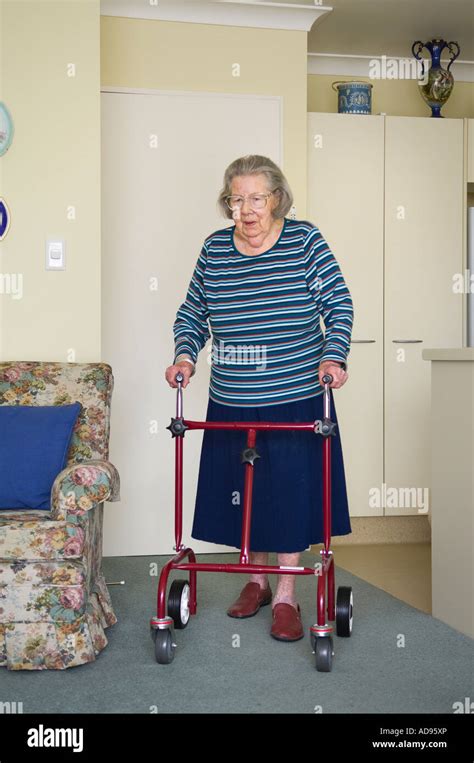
{"x":423,"y":250}
{"x":345,"y":200}
{"x":470,"y":150}
{"x":387,"y":194}
{"x":452,"y":457}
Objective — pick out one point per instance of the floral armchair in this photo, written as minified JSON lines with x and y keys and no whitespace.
{"x":54,"y":602}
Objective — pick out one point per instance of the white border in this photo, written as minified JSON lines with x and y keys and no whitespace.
{"x":352,"y":65}
{"x":244,"y":13}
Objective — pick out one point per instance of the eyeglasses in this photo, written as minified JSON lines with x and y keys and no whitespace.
{"x":256,"y":200}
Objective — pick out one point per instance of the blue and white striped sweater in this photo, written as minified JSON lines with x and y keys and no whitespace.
{"x":263,"y":312}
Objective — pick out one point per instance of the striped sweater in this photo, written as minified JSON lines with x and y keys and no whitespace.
{"x":263,"y":312}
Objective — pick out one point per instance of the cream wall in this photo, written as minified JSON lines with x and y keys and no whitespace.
{"x":393,"y":97}
{"x":50,"y":176}
{"x":182,"y":56}
{"x":51,"y":172}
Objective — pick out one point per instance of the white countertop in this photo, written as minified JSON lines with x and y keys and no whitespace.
{"x":449,"y":353}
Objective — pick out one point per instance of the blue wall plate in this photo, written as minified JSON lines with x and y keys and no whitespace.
{"x":6,"y":129}
{"x":4,"y":218}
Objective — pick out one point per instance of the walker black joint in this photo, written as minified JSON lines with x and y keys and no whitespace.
{"x":326,"y":427}
{"x":177,"y":427}
{"x":249,"y":455}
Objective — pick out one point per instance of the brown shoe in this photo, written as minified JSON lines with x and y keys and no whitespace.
{"x":251,"y":598}
{"x":287,"y":625}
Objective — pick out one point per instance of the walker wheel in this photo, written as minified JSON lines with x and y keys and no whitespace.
{"x":164,"y":646}
{"x":324,"y":653}
{"x":178,"y":603}
{"x":344,"y":610}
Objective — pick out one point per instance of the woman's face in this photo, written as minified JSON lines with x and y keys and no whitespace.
{"x":254,"y":224}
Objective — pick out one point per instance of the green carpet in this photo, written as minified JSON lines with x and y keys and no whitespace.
{"x":371,"y":673}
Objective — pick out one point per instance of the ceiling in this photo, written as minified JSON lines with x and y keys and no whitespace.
{"x":389,"y":27}
{"x":352,"y":28}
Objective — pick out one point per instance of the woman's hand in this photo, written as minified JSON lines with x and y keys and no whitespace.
{"x":337,"y":372}
{"x":183,"y":367}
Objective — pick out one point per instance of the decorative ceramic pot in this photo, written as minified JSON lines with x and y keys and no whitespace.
{"x":353,"y":97}
{"x":437,"y":83}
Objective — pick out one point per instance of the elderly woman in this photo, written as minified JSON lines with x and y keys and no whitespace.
{"x":261,"y":285}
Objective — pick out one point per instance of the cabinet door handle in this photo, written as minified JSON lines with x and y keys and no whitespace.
{"x":407,"y":341}
{"x":362,"y":341}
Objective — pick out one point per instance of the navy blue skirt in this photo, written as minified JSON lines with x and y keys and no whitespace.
{"x":287,"y":501}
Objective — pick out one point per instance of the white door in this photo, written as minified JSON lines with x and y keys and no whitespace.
{"x":163,"y":160}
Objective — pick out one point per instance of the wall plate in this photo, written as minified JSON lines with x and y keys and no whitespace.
{"x":55,"y":254}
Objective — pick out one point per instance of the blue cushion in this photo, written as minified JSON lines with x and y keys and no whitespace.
{"x":34,"y":441}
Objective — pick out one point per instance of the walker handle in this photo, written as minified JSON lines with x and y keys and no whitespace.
{"x":327,"y":379}
{"x":179,"y":400}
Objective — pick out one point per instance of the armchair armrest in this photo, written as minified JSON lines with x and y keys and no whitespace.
{"x":80,"y":487}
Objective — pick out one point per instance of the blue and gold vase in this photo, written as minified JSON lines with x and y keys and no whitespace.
{"x":436,"y":83}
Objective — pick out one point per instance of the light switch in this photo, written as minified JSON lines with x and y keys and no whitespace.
{"x":55,"y":254}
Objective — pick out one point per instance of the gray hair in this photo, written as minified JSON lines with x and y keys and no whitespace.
{"x":254,"y":164}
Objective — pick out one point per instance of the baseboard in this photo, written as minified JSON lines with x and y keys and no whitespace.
{"x":385,"y":530}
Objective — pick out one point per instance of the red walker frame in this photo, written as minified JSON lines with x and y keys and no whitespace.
{"x":324,"y":570}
